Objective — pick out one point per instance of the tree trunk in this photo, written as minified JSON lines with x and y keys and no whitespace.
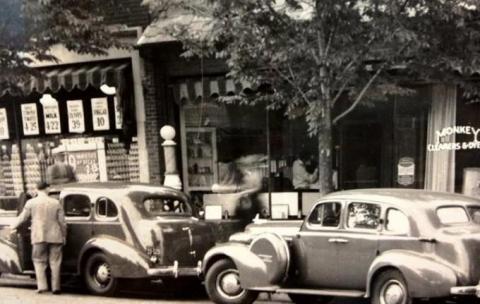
{"x":325,"y":152}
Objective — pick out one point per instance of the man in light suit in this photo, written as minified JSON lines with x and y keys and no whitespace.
{"x":48,"y":234}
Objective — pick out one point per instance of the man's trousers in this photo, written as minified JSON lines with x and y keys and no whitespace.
{"x":44,"y":254}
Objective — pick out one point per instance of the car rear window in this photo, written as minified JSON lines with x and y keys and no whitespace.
{"x":474,"y":212}
{"x":156,"y":206}
{"x":452,"y":215}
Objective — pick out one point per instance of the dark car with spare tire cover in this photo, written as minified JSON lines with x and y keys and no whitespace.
{"x":389,"y":245}
{"x":119,"y":231}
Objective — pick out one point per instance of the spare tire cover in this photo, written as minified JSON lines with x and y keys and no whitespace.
{"x":273,"y":250}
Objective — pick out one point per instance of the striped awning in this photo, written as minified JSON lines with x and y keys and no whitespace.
{"x":209,"y":88}
{"x":79,"y":76}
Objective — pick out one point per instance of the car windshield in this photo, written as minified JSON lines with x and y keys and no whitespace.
{"x":452,"y":215}
{"x":156,"y":206}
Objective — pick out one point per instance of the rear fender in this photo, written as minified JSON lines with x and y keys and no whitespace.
{"x":127,"y":262}
{"x":9,"y":259}
{"x":252,"y":270}
{"x":425,"y":278}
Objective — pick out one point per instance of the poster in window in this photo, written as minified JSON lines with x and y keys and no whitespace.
{"x":52,"y":118}
{"x":100,"y":118}
{"x":4,"y":133}
{"x":85,"y":164}
{"x":76,"y":120}
{"x":118,"y":113}
{"x":30,"y":119}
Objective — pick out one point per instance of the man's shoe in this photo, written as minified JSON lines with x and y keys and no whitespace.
{"x":56,"y":292}
{"x":41,"y":290}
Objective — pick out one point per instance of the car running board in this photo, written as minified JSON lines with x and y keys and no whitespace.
{"x":324,"y":292}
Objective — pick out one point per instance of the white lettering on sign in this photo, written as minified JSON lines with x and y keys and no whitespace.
{"x":441,"y":143}
{"x":52,"y":119}
{"x":76,"y":121}
{"x":4,"y":132}
{"x":100,"y":114}
{"x":30,"y":119}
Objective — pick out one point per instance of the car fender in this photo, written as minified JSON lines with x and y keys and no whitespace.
{"x":252,"y":269}
{"x":127,"y":262}
{"x":9,"y":259}
{"x":425,"y":277}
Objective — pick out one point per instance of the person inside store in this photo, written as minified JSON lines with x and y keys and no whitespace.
{"x":301,"y":178}
{"x":48,"y":235}
{"x":242,"y":177}
{"x":60,"y":172}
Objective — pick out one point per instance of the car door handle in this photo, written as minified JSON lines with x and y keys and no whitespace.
{"x":337,"y":241}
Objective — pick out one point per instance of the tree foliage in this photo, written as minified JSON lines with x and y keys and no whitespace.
{"x":29,"y":28}
{"x":314,"y":52}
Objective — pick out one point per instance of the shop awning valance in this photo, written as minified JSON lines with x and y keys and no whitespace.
{"x":209,"y":88}
{"x":71,"y":77}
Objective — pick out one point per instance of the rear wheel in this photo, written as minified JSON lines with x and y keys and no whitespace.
{"x":223,"y":284}
{"x":98,"y":277}
{"x":306,"y":299}
{"x":390,"y":288}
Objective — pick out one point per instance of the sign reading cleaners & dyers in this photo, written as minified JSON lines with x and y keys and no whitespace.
{"x":442,"y":137}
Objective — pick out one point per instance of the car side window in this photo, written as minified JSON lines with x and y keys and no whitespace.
{"x":363,"y":215}
{"x":397,"y":222}
{"x":77,"y":205}
{"x":326,"y":214}
{"x":106,"y":208}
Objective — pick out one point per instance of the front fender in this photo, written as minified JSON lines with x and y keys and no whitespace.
{"x":9,"y":259}
{"x":252,"y":270}
{"x":127,"y":262}
{"x":426,"y":278}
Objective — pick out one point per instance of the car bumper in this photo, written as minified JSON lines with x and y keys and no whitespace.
{"x":175,"y":271}
{"x":466,"y":290}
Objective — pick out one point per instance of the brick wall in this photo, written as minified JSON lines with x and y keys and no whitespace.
{"x":151,"y":84}
{"x":129,"y":12}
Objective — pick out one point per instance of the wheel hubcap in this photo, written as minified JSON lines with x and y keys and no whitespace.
{"x":393,"y":292}
{"x":102,"y":274}
{"x":228,"y":284}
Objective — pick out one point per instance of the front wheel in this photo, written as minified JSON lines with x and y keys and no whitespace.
{"x":222,"y":283}
{"x":390,"y":288}
{"x":98,"y":277}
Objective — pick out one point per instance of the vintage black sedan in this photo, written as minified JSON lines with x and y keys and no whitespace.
{"x":390,"y":245}
{"x":122,"y":231}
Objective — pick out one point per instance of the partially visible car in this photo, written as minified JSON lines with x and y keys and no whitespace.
{"x":390,"y":245}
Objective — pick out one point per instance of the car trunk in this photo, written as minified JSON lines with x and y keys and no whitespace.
{"x":466,"y":255}
{"x":185,"y":241}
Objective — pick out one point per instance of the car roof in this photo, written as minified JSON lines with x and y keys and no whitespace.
{"x":413,"y":198}
{"x":120,"y":188}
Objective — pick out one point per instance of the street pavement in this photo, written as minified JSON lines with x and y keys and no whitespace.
{"x":21,"y":289}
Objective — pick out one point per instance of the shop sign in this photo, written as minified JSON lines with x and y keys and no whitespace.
{"x":52,"y":118}
{"x":76,"y":121}
{"x":442,"y":143}
{"x":30,"y":119}
{"x":4,"y":133}
{"x":118,"y":113}
{"x":406,"y":171}
{"x":100,"y":118}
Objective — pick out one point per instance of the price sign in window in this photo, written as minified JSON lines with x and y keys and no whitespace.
{"x":100,"y":114}
{"x":52,"y":118}
{"x":30,"y":119}
{"x":76,"y":122}
{"x":4,"y":133}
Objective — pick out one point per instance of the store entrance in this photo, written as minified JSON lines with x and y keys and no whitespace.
{"x":360,"y":155}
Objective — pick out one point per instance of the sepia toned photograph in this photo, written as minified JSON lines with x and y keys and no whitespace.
{"x":240,"y":151}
